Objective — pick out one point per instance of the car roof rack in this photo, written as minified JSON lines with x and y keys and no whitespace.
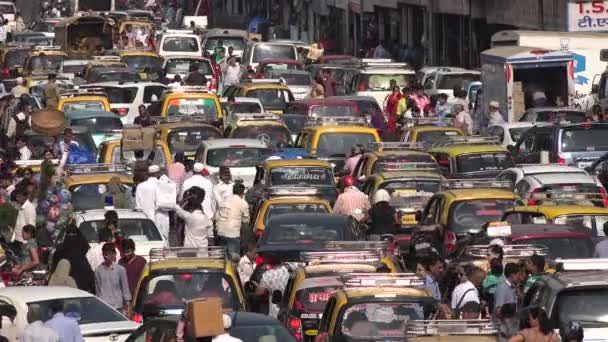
{"x":186,"y":89}
{"x":216,"y":252}
{"x":394,"y":146}
{"x":86,"y":91}
{"x":106,"y":58}
{"x":82,"y":169}
{"x":33,"y":162}
{"x":599,"y":264}
{"x":315,"y":121}
{"x":357,"y":245}
{"x":510,"y":251}
{"x":292,"y":191}
{"x":434,"y":121}
{"x":559,"y":196}
{"x":339,"y":257}
{"x":40,"y":48}
{"x":387,"y":166}
{"x":381,"y":280}
{"x":473,"y":183}
{"x":240,"y":117}
{"x":467,"y":140}
{"x":266,"y":81}
{"x":451,"y":327}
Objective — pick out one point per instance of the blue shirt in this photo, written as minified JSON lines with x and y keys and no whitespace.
{"x":601,"y":249}
{"x":67,"y":328}
{"x":432,"y":286}
{"x":443,"y":110}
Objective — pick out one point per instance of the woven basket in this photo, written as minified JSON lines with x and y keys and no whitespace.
{"x":48,"y":121}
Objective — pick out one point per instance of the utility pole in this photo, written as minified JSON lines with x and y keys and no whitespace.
{"x":361,"y":28}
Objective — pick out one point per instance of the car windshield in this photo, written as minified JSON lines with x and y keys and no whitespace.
{"x":429,"y":138}
{"x":588,"y":306}
{"x":516,"y":133}
{"x":313,"y":299}
{"x":339,"y":144}
{"x":264,"y":51}
{"x":561,"y":115}
{"x":7,"y":9}
{"x":236,"y":156}
{"x":563,"y":247}
{"x":142,"y":62}
{"x":473,"y":214}
{"x":272,"y":98}
{"x":456,"y":81}
{"x":121,"y":94}
{"x":332,"y":110}
{"x":296,"y":79}
{"x":270,"y":68}
{"x":264,"y":332}
{"x":98,"y":125}
{"x":379,"y":320}
{"x":90,"y":196}
{"x":140,"y":230}
{"x":295,"y":122}
{"x":294,"y":208}
{"x":206,"y":108}
{"x":270,"y":135}
{"x":302,"y":176}
{"x":303,"y":232}
{"x":173,"y":287}
{"x":382,"y":82}
{"x":75,"y":106}
{"x":116,"y":76}
{"x":189,"y":139}
{"x":243,"y":107}
{"x":368,"y":107}
{"x":482,"y":162}
{"x":180,"y":44}
{"x":44,"y":64}
{"x":237,"y":43}
{"x":595,"y":223}
{"x":181,"y":66}
{"x":87,"y":310}
{"x":584,"y":139}
{"x":389,"y":163}
{"x":16,"y":58}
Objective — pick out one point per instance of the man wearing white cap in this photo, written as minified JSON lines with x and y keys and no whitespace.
{"x":19,"y":89}
{"x":225,"y":337}
{"x":145,"y":193}
{"x":495,"y":117}
{"x":197,"y":179}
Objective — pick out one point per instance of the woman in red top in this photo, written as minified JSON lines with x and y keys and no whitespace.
{"x":391,"y":109}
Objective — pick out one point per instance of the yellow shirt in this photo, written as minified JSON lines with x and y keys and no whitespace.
{"x":401,"y":106}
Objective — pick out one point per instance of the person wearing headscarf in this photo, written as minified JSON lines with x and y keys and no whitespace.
{"x":74,"y":248}
{"x":382,"y":216}
{"x":61,"y":276}
{"x":116,"y":193}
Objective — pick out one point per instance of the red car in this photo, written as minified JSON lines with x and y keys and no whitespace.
{"x":326,"y":107}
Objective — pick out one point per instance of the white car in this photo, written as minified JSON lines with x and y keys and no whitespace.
{"x":256,"y":51}
{"x":125,"y":98}
{"x":133,"y":224}
{"x":240,"y":105}
{"x":180,"y":65}
{"x":508,"y":133}
{"x":374,"y":79}
{"x":562,"y":188}
{"x":175,"y":43}
{"x":8,"y":10}
{"x":240,"y":155}
{"x":98,"y":321}
{"x":517,"y":173}
{"x":229,"y":38}
{"x":443,"y":80}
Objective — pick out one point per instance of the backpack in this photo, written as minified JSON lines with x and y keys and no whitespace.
{"x":81,"y":155}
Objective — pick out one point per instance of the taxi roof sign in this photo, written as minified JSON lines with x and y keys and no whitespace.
{"x":266,"y":81}
{"x":467,"y":140}
{"x":339,"y":257}
{"x":157,"y":254}
{"x":510,"y":251}
{"x":581,"y":264}
{"x":498,"y":229}
{"x":471,"y":183}
{"x":382,"y":280}
{"x":451,"y":327}
{"x":240,"y":117}
{"x":395,"y":146}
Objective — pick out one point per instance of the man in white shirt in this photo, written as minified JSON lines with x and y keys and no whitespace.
{"x":247,"y":265}
{"x":223,"y":189}
{"x":197,"y":179}
{"x":145,"y":193}
{"x":225,"y":337}
{"x":36,"y":331}
{"x":24,"y":152}
{"x":232,"y":73}
{"x":26,"y":215}
{"x":495,"y":117}
{"x":463,"y":120}
{"x":232,"y":213}
{"x":467,"y":291}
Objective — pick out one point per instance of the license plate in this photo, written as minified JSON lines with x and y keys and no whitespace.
{"x":584,"y":164}
{"x":408,"y":219}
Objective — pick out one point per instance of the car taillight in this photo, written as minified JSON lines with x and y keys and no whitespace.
{"x":213,"y":84}
{"x":137,"y":318}
{"x":604,"y":197}
{"x":295,"y":326}
{"x":120,"y":111}
{"x":361,"y":87}
{"x":561,"y":161}
{"x":531,"y":200}
{"x":258,"y":261}
{"x":6,"y":72}
{"x":450,"y":241}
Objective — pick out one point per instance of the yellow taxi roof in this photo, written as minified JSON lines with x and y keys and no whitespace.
{"x":188,"y":263}
{"x":191,"y":95}
{"x":341,"y":129}
{"x":479,"y":193}
{"x":354,"y":267}
{"x":430,"y":128}
{"x":272,"y":164}
{"x":77,"y":98}
{"x":37,"y":53}
{"x":287,"y":200}
{"x":96,"y":178}
{"x":361,"y":292}
{"x":467,"y":149}
{"x":551,"y":211}
{"x":255,"y":86}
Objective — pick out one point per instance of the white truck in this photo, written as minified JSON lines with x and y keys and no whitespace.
{"x":512,"y":74}
{"x":585,"y":48}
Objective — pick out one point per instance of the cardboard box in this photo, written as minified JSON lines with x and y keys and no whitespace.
{"x":137,"y":138}
{"x":205,"y":317}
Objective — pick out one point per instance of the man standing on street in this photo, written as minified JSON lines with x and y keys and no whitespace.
{"x":232,"y":213}
{"x":232,"y":73}
{"x":26,"y":215}
{"x":506,"y":290}
{"x":133,"y":264}
{"x":197,"y":179}
{"x":495,"y":117}
{"x":111,"y":283}
{"x":51,"y":92}
{"x":223,"y":189}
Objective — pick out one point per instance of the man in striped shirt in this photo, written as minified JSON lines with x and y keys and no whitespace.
{"x":352,"y":202}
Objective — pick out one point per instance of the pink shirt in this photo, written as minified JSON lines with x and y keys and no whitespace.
{"x":351,"y":200}
{"x":351,"y":164}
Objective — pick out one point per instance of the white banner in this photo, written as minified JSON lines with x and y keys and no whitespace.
{"x":588,"y":16}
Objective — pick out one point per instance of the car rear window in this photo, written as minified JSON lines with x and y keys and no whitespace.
{"x":382,"y":82}
{"x":243,"y":107}
{"x":584,"y":139}
{"x":473,"y":214}
{"x":140,"y":230}
{"x":339,"y":144}
{"x":86,"y":310}
{"x":379,"y":321}
{"x":73,"y":68}
{"x":569,"y":194}
{"x":120,"y":94}
{"x":313,"y":299}
{"x":304,"y":232}
{"x":269,"y":135}
{"x":302,"y":176}
{"x":456,"y":81}
{"x":564,"y":247}
{"x":293,"y":208}
{"x":272,"y":98}
{"x":83,"y":106}
{"x":101,"y":124}
{"x":181,"y":66}
{"x":90,"y":196}
{"x":7,"y":9}
{"x":411,"y":187}
{"x":296,"y":79}
{"x":433,"y":137}
{"x":237,"y":43}
{"x":189,"y":139}
{"x":263,"y":51}
{"x":562,"y":115}
{"x":16,"y":58}
{"x":180,"y":44}
{"x":389,"y":163}
{"x":482,"y":162}
{"x":193,"y":107}
{"x":324,"y":111}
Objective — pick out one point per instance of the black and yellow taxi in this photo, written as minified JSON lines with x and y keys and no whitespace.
{"x":77,"y":100}
{"x":471,"y":157}
{"x":41,"y":62}
{"x":273,"y":94}
{"x":298,"y":177}
{"x":579,"y":216}
{"x":191,"y":101}
{"x":286,"y":205}
{"x":267,"y":128}
{"x":375,"y":307}
{"x":464,"y":208}
{"x":386,"y":155}
{"x":174,"y":275}
{"x":88,"y":183}
{"x":144,"y":62}
{"x":184,"y":135}
{"x":331,"y":138}
{"x":12,"y":59}
{"x":111,"y":152}
{"x":429,"y":134}
{"x":102,"y":62}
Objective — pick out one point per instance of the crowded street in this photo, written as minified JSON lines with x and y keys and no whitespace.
{"x":303,"y":171}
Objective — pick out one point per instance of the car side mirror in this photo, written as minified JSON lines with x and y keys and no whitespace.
{"x":277,"y":296}
{"x":595,"y":89}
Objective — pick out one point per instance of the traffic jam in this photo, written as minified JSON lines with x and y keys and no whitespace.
{"x":167,"y":179}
